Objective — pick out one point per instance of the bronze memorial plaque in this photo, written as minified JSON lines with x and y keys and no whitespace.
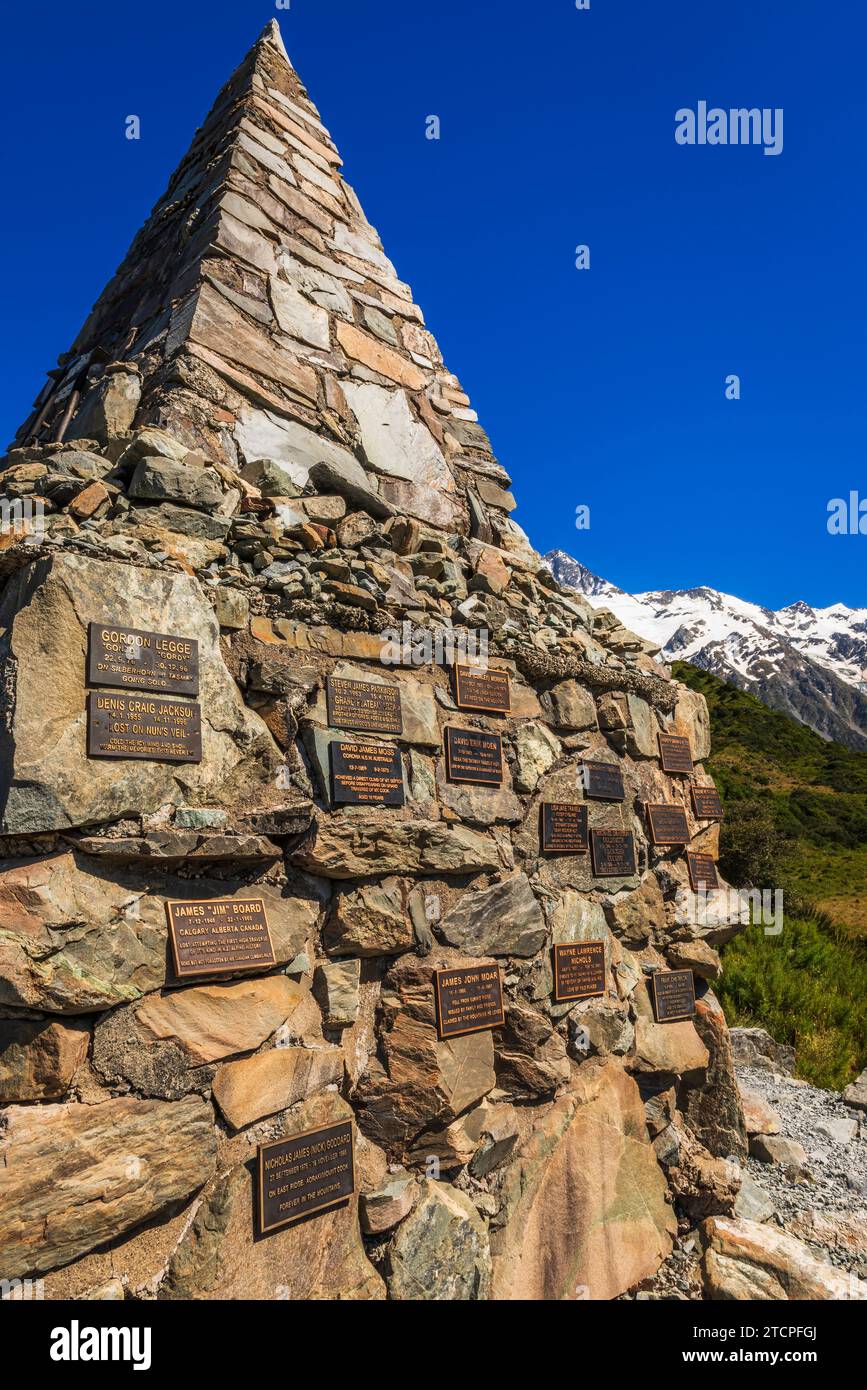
{"x":564,"y":827}
{"x":304,"y":1174}
{"x":468,"y":1000}
{"x":366,"y":774}
{"x":702,"y":871}
{"x":143,"y":726}
{"x":613,"y":853}
{"x":603,"y":781}
{"x":210,"y":935}
{"x":131,"y":659}
{"x":363,"y":705}
{"x":706,"y":803}
{"x":673,"y":995}
{"x":579,"y":970}
{"x":474,"y":756}
{"x":667,"y":823}
{"x":675,"y":753}
{"x":482,"y":690}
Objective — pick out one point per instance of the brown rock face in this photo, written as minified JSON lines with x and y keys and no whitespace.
{"x":319,"y":1259}
{"x":47,"y":781}
{"x":748,"y":1260}
{"x":246,"y":1091}
{"x":583,"y":1212}
{"x":76,"y":938}
{"x":422,"y":1082}
{"x":39,"y":1059}
{"x":713,"y":1109}
{"x":73,"y":1177}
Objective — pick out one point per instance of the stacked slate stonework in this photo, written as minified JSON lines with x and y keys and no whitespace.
{"x":254,"y":445}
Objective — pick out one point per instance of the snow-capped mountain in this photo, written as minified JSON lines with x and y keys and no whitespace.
{"x":810,"y":663}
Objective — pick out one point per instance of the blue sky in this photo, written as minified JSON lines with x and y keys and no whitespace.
{"x":602,"y":387}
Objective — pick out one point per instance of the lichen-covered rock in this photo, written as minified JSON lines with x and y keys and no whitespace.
{"x":75,"y":939}
{"x":370,"y":920}
{"x":441,"y":1251}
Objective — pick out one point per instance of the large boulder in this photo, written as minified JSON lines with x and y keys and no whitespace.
{"x":169,"y":1043}
{"x":752,"y":1261}
{"x":320,"y":1259}
{"x":75,"y":1176}
{"x":582,"y":1204}
{"x":47,"y":780}
{"x":440,"y":1253}
{"x":503,"y":920}
{"x":422,"y":1081}
{"x":75,"y":940}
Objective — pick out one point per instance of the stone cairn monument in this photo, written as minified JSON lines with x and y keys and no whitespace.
{"x":343,"y":952}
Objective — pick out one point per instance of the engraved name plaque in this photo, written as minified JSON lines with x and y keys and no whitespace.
{"x":673,"y":995}
{"x":211,"y":936}
{"x":675,"y":753}
{"x":131,"y":659}
{"x":468,"y":1000}
{"x":143,"y":726}
{"x":307,"y":1173}
{"x":667,"y":824}
{"x":474,"y":756}
{"x":613,"y":853}
{"x":366,"y":774}
{"x":482,"y":690}
{"x":564,"y":827}
{"x":603,"y":781}
{"x":706,"y":803}
{"x":579,"y":970}
{"x":702,"y":871}
{"x":363,"y":705}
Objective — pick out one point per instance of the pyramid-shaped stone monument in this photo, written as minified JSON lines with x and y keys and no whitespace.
{"x":356,"y":933}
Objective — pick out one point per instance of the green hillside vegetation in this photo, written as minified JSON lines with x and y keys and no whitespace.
{"x":796,"y":819}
